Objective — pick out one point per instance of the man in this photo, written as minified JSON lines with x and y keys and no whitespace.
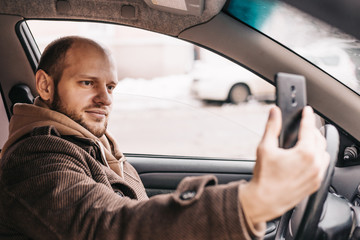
{"x":63,"y":176}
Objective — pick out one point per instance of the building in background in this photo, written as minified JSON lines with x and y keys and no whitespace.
{"x":132,"y":48}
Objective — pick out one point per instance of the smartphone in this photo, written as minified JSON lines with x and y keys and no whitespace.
{"x":291,"y":98}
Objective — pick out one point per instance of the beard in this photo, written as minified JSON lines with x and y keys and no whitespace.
{"x":59,"y":107}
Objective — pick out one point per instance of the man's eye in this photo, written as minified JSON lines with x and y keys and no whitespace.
{"x":86,"y":83}
{"x":111,"y":88}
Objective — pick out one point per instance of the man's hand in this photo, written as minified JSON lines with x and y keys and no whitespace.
{"x":284,"y":177}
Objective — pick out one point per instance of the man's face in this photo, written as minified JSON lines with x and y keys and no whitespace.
{"x":84,"y":92}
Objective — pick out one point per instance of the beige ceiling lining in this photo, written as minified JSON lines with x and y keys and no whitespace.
{"x":111,"y":11}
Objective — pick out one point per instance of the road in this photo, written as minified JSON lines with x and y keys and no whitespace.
{"x":190,"y":129}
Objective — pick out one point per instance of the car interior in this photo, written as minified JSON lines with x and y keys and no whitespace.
{"x":211,"y":25}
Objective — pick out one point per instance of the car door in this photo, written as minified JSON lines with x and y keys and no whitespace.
{"x":165,"y":132}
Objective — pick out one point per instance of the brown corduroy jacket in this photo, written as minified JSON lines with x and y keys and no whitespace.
{"x":55,"y":186}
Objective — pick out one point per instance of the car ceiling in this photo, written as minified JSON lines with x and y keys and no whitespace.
{"x":138,"y":13}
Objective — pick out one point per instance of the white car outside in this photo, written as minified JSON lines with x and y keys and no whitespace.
{"x":228,"y":83}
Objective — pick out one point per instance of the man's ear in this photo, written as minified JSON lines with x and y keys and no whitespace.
{"x":45,"y":86}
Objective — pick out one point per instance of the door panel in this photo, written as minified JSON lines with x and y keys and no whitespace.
{"x":163,"y":173}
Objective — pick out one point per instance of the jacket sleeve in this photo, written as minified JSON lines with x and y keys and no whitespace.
{"x":48,"y":191}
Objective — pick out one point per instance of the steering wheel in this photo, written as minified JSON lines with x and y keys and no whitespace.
{"x":302,"y":221}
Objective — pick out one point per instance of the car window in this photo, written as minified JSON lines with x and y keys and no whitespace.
{"x":174,"y":98}
{"x":325,"y":46}
{"x":4,"y":123}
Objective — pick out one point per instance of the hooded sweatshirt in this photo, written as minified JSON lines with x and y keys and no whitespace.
{"x":28,"y":116}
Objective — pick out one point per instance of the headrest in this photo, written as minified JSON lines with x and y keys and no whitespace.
{"x":20,"y":93}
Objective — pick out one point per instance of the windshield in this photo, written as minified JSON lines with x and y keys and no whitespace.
{"x":328,"y":48}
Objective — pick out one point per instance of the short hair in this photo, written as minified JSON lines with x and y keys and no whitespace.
{"x":52,"y":60}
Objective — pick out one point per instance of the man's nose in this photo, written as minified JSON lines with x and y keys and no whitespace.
{"x":103,"y":96}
